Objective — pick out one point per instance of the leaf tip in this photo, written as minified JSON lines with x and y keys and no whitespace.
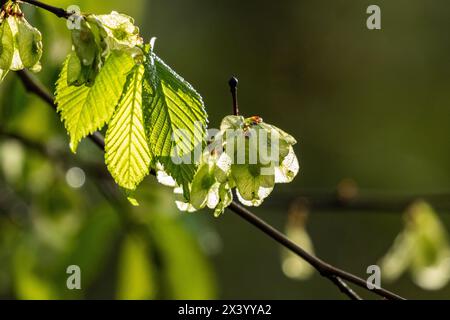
{"x":74,"y":146}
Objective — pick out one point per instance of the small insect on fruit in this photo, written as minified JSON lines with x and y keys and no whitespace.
{"x":255,"y":120}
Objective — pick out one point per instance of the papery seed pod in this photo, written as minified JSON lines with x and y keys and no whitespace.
{"x":79,"y":75}
{"x":6,"y":45}
{"x":90,"y":52}
{"x":29,"y":44}
{"x":74,"y":73}
{"x":261,"y":156}
{"x":121,"y":31}
{"x":16,"y":63}
{"x":99,"y":32}
{"x":90,"y":73}
{"x":84,"y":43}
{"x":203,"y":184}
{"x":254,"y":183}
{"x":225,"y":199}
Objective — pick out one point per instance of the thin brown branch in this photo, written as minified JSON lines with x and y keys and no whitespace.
{"x":233,"y":83}
{"x":325,"y":269}
{"x":345,"y":289}
{"x":328,"y":271}
{"x":59,"y":12}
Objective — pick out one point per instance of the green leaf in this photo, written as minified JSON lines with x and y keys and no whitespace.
{"x":85,"y":110}
{"x":127,"y":152}
{"x":173,"y":109}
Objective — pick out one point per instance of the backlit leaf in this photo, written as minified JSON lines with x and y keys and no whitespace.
{"x":127,"y":151}
{"x":85,"y":110}
{"x":175,"y":117}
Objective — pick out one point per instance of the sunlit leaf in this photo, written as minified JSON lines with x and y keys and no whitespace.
{"x":85,"y":110}
{"x":175,"y":117}
{"x":127,"y":153}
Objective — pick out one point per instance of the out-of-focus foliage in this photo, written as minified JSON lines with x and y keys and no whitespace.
{"x":136,"y":275}
{"x":47,"y":229}
{"x":293,"y":266}
{"x":422,"y":248}
{"x":51,"y":217}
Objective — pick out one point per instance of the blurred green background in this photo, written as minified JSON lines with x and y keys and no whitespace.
{"x":371,"y":106}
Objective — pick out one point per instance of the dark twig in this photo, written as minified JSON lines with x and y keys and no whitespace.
{"x":59,"y":12}
{"x":332,"y":273}
{"x":234,"y":87}
{"x":325,"y":269}
{"x":345,"y":289}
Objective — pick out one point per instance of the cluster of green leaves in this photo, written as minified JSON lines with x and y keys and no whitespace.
{"x":20,"y":42}
{"x":111,"y":78}
{"x":242,"y":157}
